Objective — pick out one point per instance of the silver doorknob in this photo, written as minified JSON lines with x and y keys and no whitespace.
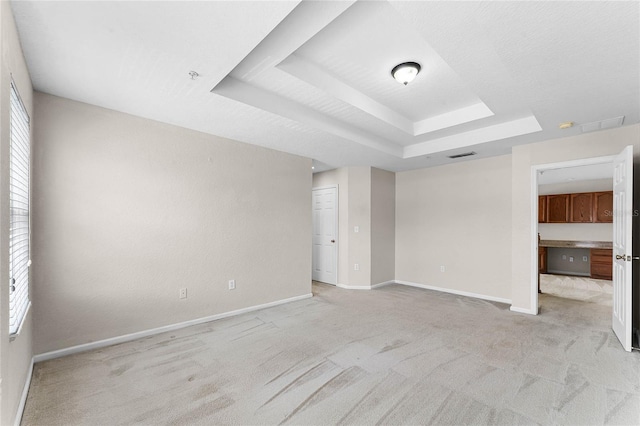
{"x":619,"y":257}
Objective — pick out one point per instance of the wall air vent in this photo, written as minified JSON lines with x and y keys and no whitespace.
{"x":609,"y":123}
{"x":465,"y":154}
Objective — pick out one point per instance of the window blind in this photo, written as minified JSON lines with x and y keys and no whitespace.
{"x":19,"y":257}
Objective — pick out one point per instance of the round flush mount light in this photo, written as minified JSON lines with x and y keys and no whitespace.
{"x":405,"y":72}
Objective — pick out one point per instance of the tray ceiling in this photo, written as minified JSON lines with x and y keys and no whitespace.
{"x":313,"y":78}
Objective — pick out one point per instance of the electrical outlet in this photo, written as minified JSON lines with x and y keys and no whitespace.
{"x":564,"y":257}
{"x":232,"y":284}
{"x":570,"y":258}
{"x":356,"y":229}
{"x":585,"y":259}
{"x":356,"y":267}
{"x":183,"y":293}
{"x":441,"y":268}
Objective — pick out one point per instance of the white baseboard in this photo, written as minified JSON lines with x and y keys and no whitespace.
{"x":133,"y":336}
{"x":23,"y":397}
{"x":383,"y":284}
{"x":458,"y":292}
{"x":523,"y":310}
{"x":364,"y":287}
{"x":354,"y":287}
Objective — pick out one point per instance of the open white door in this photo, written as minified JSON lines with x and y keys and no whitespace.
{"x":622,"y":218}
{"x":325,"y":230}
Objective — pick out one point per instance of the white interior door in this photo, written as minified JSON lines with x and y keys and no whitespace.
{"x":325,"y":235}
{"x":622,"y":218}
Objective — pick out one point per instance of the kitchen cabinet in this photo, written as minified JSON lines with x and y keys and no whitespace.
{"x":558,"y":208}
{"x":542,"y":260}
{"x":542,"y":209}
{"x":584,"y":207}
{"x":602,"y":264}
{"x":600,"y":256}
{"x":603,"y":207}
{"x":581,"y":208}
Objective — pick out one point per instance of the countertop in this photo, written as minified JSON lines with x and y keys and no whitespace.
{"x":576,"y":244}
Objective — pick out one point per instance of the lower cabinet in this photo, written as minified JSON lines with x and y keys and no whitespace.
{"x":542,"y":260}
{"x":602,"y":264}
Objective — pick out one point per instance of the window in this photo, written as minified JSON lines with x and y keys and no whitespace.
{"x":19,"y":258}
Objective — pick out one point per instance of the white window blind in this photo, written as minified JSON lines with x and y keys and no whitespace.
{"x":19,"y":257}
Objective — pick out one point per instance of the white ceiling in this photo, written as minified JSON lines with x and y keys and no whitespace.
{"x":313,"y":78}
{"x":578,"y":173}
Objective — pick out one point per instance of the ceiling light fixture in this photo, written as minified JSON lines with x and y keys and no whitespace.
{"x":405,"y":72}
{"x":566,"y":125}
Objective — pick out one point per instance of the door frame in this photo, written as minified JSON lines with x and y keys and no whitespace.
{"x":337,"y":226}
{"x":534,"y":214}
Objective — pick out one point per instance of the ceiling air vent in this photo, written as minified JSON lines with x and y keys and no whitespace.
{"x":465,"y":154}
{"x":609,"y":123}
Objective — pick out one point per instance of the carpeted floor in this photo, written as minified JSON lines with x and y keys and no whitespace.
{"x":394,"y":355}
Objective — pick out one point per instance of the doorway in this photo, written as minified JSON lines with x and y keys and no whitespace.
{"x":325,"y":234}
{"x":621,"y":173}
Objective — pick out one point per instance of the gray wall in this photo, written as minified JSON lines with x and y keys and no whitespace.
{"x":360,"y":216}
{"x":556,"y":264}
{"x":366,"y":200}
{"x":457,"y":216}
{"x":15,"y":356}
{"x":127,"y":211}
{"x":383,"y":225}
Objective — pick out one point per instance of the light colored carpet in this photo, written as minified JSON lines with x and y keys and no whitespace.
{"x":394,"y":355}
{"x":578,"y":288}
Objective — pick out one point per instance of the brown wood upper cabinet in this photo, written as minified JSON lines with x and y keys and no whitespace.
{"x":581,"y":208}
{"x":558,"y":208}
{"x":542,"y":209}
{"x":603,"y":207}
{"x":584,"y":207}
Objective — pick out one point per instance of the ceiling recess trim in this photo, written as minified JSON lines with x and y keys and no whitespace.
{"x":521,"y":126}
{"x":278,"y":49}
{"x":313,"y":74}
{"x":268,"y":101}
